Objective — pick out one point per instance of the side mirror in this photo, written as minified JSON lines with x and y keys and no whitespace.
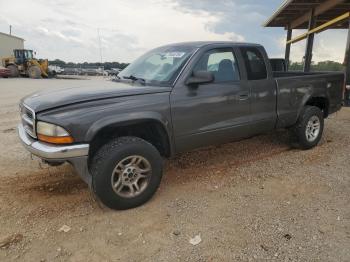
{"x":200,"y":77}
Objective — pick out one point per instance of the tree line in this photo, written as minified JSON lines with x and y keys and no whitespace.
{"x":105,"y":65}
{"x":320,"y":66}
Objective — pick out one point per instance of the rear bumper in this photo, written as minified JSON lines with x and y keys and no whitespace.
{"x":335,"y":108}
{"x":51,"y":152}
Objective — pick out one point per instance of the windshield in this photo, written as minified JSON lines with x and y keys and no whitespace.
{"x":159,"y":66}
{"x":28,"y":54}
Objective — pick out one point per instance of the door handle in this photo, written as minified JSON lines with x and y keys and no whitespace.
{"x":243,"y":96}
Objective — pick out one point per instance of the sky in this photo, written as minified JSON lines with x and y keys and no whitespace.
{"x":69,"y":30}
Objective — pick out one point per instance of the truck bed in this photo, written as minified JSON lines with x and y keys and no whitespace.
{"x":295,"y":88}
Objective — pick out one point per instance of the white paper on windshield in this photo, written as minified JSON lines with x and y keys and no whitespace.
{"x":174,"y":54}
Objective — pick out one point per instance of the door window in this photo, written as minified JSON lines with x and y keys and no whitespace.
{"x":221,"y":62}
{"x":255,"y":64}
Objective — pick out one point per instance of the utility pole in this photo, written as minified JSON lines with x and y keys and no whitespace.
{"x":10,"y":29}
{"x":99,"y":43}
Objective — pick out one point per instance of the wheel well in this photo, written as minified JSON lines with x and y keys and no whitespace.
{"x":150,"y":130}
{"x":320,"y":102}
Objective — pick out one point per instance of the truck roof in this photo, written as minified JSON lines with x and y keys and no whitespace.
{"x":205,"y":43}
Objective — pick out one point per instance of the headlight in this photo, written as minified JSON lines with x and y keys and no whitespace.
{"x":52,"y":134}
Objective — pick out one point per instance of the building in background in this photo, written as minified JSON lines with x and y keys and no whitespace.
{"x":8,"y":43}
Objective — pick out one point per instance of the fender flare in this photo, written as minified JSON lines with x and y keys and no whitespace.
{"x":130,"y":118}
{"x":307,"y":97}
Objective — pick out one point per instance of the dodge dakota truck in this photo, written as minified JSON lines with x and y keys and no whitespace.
{"x":172,"y":99}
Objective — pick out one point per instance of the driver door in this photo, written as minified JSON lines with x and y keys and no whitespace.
{"x":213,"y":112}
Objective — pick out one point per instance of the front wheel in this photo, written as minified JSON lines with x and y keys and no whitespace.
{"x":126,"y":172}
{"x":309,"y":127}
{"x":34,"y":72}
{"x":13,"y":70}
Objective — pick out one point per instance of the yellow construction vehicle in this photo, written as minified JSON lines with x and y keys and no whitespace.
{"x":23,"y":63}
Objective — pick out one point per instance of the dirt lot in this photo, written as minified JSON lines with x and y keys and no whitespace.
{"x":254,"y":200}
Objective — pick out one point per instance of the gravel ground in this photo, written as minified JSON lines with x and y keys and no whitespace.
{"x":253,"y":200}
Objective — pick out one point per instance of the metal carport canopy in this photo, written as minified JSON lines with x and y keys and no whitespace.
{"x":295,"y":14}
{"x":315,"y":16}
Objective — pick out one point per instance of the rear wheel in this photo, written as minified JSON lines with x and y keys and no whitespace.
{"x":34,"y":72}
{"x":309,"y":128}
{"x":126,"y":172}
{"x":13,"y":70}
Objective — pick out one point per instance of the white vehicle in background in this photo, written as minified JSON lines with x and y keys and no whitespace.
{"x":55,"y":69}
{"x":113,"y":71}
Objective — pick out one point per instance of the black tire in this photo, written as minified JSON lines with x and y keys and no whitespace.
{"x":52,"y":74}
{"x":34,"y":72}
{"x":309,"y":113}
{"x":13,"y":70}
{"x":109,"y":156}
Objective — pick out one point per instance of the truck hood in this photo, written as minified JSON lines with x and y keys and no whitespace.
{"x":49,"y":99}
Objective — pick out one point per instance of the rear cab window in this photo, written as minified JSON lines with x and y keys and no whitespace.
{"x":254,"y":63}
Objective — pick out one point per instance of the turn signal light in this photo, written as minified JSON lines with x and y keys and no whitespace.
{"x":56,"y":139}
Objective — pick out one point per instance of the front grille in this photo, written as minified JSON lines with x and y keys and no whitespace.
{"x":28,"y":120}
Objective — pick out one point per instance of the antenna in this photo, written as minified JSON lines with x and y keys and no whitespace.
{"x":99,"y":42}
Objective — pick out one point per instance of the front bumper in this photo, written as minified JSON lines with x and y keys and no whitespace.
{"x":77,"y":155}
{"x":51,"y":152}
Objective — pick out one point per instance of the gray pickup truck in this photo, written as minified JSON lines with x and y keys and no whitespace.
{"x":174,"y":98}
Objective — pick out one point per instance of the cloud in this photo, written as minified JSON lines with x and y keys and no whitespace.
{"x":328,"y":45}
{"x":245,"y":17}
{"x":227,"y":13}
{"x":68,"y":29}
{"x":59,"y":35}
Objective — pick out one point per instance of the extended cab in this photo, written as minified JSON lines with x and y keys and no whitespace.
{"x":172,"y":99}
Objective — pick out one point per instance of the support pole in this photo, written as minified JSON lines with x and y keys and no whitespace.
{"x":347,"y":70}
{"x":287,"y":52}
{"x":309,"y":43}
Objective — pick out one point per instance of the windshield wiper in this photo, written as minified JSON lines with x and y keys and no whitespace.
{"x":134,"y":78}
